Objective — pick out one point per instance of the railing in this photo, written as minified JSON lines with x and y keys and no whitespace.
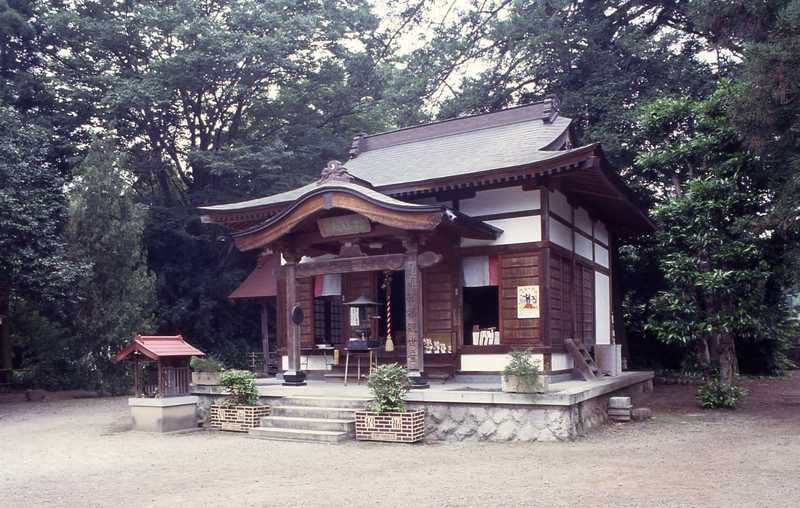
{"x":167,"y":382}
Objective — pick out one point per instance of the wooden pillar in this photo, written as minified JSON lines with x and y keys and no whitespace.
{"x":265,"y":334}
{"x":160,"y":381}
{"x":293,"y":376}
{"x":415,"y":354}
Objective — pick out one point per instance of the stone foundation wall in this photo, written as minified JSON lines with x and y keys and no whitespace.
{"x":507,"y":423}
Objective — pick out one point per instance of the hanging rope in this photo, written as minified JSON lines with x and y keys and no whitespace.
{"x":387,"y":285}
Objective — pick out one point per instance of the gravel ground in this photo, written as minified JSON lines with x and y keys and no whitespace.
{"x":80,"y":452}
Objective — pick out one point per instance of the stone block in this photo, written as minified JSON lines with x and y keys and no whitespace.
{"x":641,"y":413}
{"x":609,"y":358}
{"x":619,"y":402}
{"x":164,"y":415}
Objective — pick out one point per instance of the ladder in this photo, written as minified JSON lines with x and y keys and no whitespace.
{"x":584,"y":363}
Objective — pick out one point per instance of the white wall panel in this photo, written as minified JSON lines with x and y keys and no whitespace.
{"x":583,"y":246}
{"x":582,"y":221}
{"x":560,"y":234}
{"x":602,"y":308}
{"x":561,"y":361}
{"x":504,"y":200}
{"x":515,"y":230}
{"x":559,"y":205}
{"x":601,"y":255}
{"x":491,"y":362}
{"x":600,"y":232}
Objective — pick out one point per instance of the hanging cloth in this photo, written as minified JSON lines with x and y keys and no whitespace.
{"x":480,"y":271}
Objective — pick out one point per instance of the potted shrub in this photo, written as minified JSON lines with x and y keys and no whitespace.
{"x":240,"y":411}
{"x":522,"y":374}
{"x":205,"y":370}
{"x":386,"y":418}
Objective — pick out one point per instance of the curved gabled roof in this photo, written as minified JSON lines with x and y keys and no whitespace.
{"x":379,"y":208}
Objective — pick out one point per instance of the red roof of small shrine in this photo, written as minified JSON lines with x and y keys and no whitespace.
{"x":156,"y":347}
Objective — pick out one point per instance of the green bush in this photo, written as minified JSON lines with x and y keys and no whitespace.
{"x":389,"y":385}
{"x":206,"y":364}
{"x":523,"y":367}
{"x":241,"y":388}
{"x":717,"y":395}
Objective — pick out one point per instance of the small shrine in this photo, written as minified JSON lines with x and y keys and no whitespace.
{"x":161,"y":399}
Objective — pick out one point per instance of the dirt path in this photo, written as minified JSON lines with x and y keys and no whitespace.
{"x":80,"y":453}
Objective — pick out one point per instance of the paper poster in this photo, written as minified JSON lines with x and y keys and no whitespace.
{"x":527,"y":302}
{"x":354,"y":318}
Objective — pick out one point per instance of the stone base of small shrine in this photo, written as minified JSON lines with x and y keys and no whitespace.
{"x":407,"y":427}
{"x":236,"y":418}
{"x":164,"y":415}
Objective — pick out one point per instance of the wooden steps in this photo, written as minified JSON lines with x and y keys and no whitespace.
{"x":584,"y":363}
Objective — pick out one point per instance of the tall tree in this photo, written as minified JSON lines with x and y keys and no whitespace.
{"x":716,"y":251}
{"x":106,"y":229}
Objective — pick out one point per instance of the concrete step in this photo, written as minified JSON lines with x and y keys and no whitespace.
{"x":295,"y":422}
{"x":334,"y":413}
{"x":312,"y":401}
{"x":281,"y":434}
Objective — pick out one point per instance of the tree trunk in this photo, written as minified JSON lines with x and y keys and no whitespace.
{"x":727,"y":358}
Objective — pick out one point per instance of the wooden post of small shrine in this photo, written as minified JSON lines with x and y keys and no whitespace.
{"x":136,"y":385}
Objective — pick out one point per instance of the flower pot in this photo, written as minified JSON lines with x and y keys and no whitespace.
{"x":515,"y":384}
{"x":205,"y":378}
{"x":236,"y":418}
{"x":407,"y":427}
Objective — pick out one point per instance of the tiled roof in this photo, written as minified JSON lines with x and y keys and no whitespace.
{"x":159,"y":346}
{"x":440,"y":150}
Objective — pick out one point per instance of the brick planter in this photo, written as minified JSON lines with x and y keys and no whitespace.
{"x":236,"y":418}
{"x":408,"y":427}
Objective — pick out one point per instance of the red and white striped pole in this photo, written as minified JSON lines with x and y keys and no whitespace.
{"x":387,"y":284}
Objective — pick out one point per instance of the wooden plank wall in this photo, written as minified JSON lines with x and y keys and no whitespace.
{"x":560,"y":300}
{"x":584,"y":291}
{"x":439,"y":302}
{"x":305,"y":297}
{"x":521,"y":269}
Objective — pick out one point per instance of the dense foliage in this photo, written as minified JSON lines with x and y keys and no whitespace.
{"x":200,"y":101}
{"x":240,"y":386}
{"x":389,"y":385}
{"x":522,"y":366}
{"x":719,"y":395}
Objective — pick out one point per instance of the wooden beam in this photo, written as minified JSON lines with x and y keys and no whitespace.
{"x":383,"y":262}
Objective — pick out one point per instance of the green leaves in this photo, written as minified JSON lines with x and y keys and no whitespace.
{"x":240,"y":386}
{"x":389,"y":385}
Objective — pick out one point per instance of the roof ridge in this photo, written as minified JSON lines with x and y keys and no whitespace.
{"x":545,"y":110}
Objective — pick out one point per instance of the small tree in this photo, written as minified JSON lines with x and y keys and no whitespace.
{"x":241,"y":388}
{"x":389,"y":385}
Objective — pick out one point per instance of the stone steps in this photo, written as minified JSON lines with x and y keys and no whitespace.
{"x":281,"y":434}
{"x":305,"y":423}
{"x":312,"y":401}
{"x":310,"y":418}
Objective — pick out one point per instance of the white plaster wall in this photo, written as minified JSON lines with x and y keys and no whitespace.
{"x":559,"y":205}
{"x":583,"y":246}
{"x":491,"y":362}
{"x":602,"y":308}
{"x":504,"y":200}
{"x":314,"y":362}
{"x":561,"y":361}
{"x":600,"y":232}
{"x":582,"y":221}
{"x":515,"y":230}
{"x":601,"y":255}
{"x":560,"y":234}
